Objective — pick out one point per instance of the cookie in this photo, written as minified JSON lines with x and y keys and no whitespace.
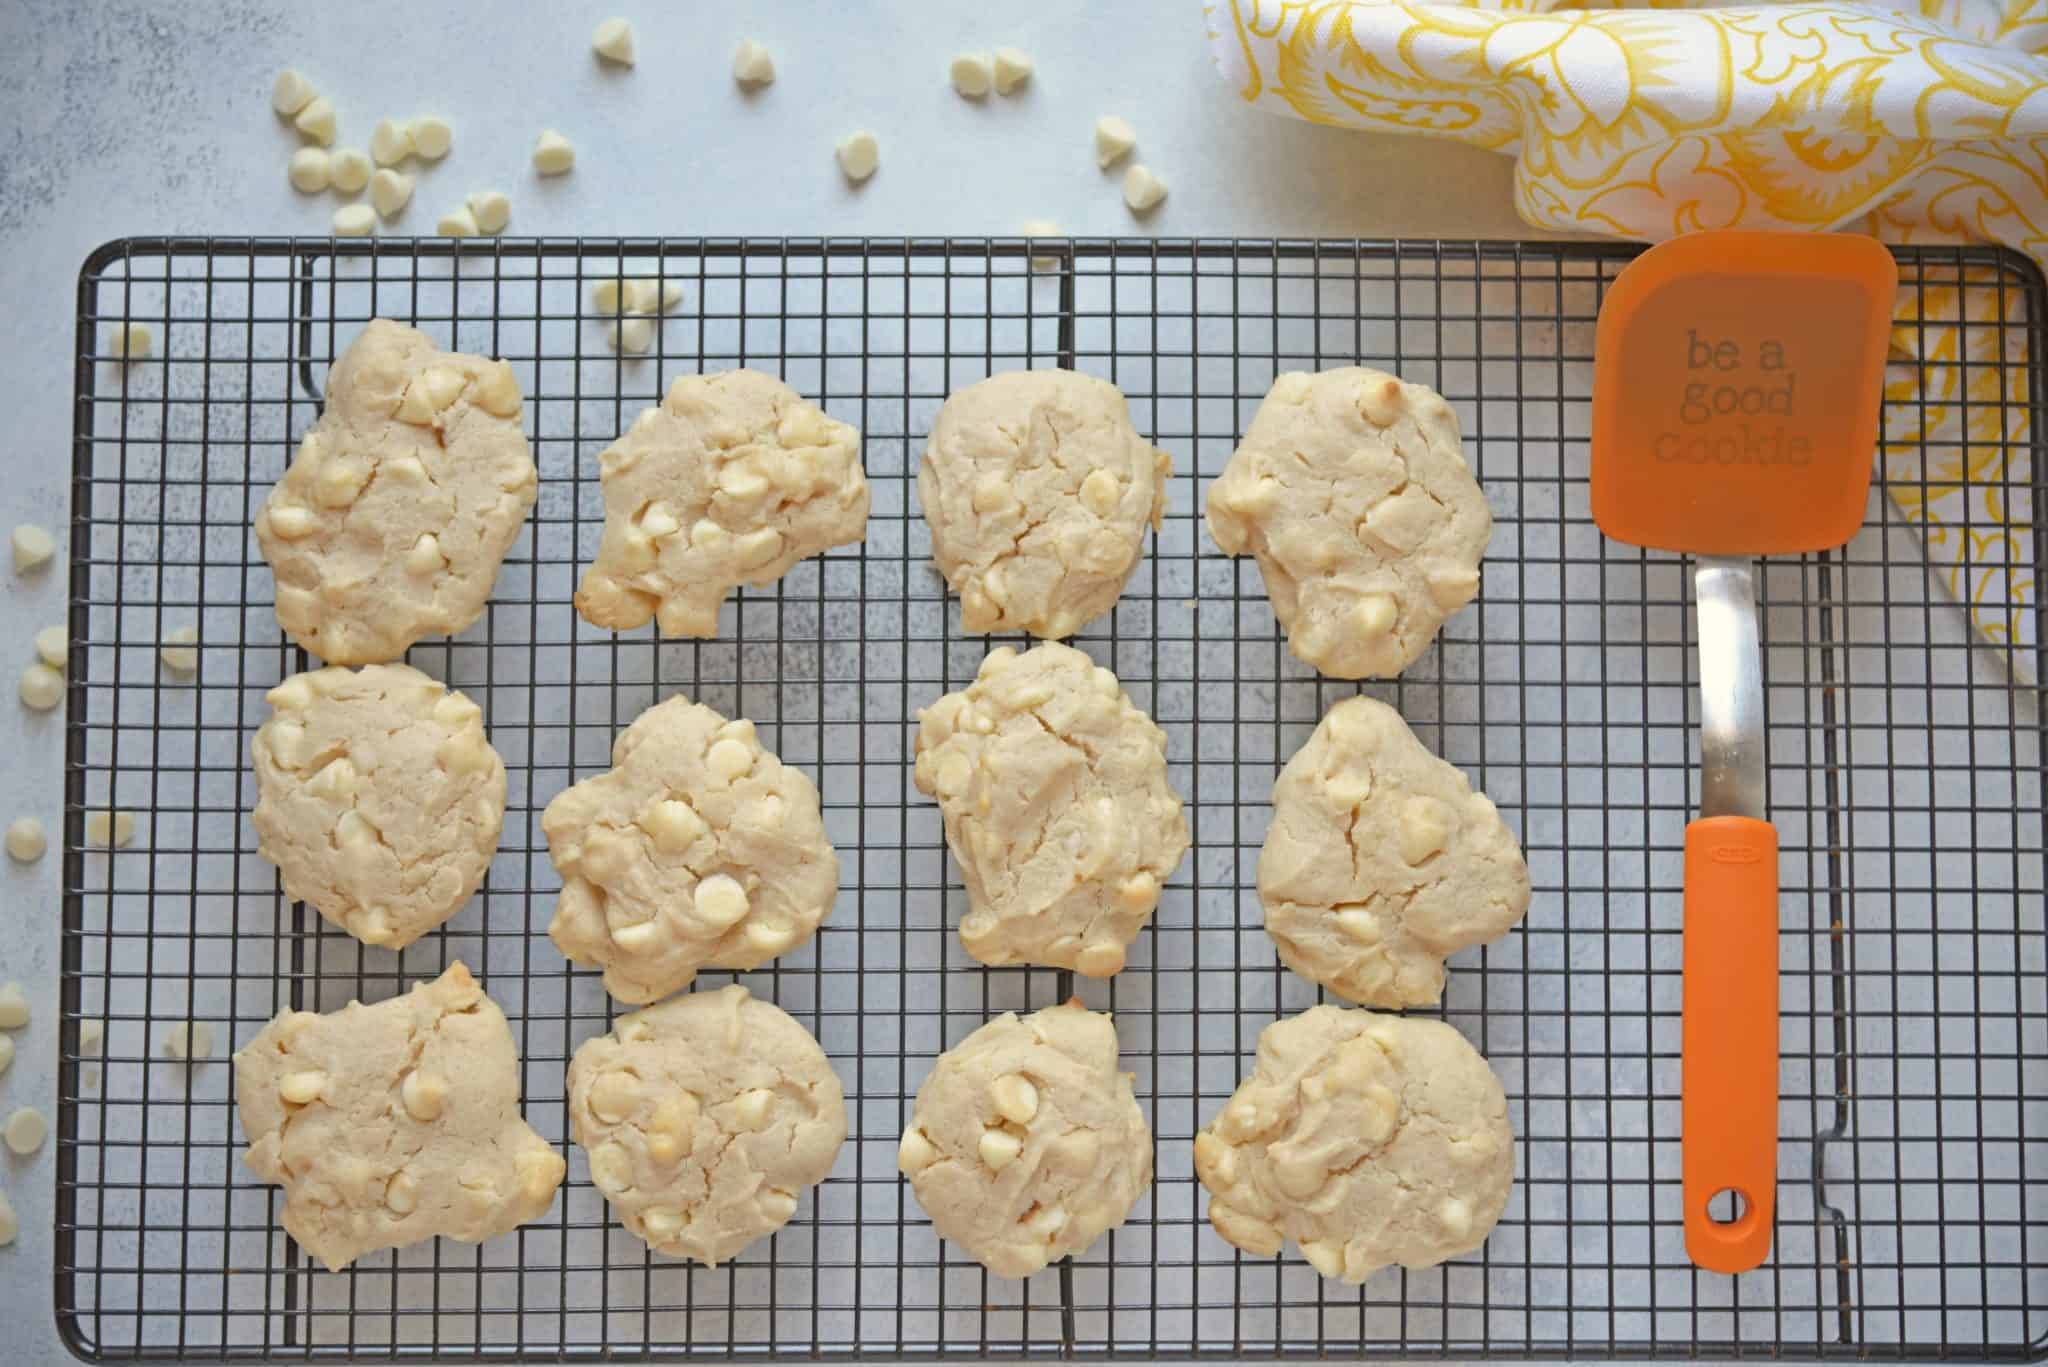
{"x":1351,"y":490}
{"x":1038,"y":491}
{"x":1026,"y":1143}
{"x":1053,"y":788}
{"x":1381,"y":861}
{"x":731,"y":480}
{"x":1368,"y":1140}
{"x":698,"y":849}
{"x":393,"y":1123}
{"x":706,"y":1117}
{"x":378,"y":797}
{"x":406,"y":494}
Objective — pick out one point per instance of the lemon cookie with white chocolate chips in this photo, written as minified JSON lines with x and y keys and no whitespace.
{"x":378,"y":797}
{"x":1381,"y":861}
{"x":1368,"y":1140}
{"x":731,"y":480}
{"x":1038,"y":491}
{"x":1351,"y":489}
{"x":1026,"y":1142}
{"x":1057,"y":807}
{"x":393,"y":1123}
{"x":698,"y":849}
{"x":392,"y":521}
{"x":706,"y":1117}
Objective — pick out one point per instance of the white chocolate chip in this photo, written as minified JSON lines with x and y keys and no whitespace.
{"x":425,"y":555}
{"x":613,"y":41}
{"x":1113,"y":140}
{"x":390,"y":191}
{"x":1360,"y":924}
{"x":673,"y":825}
{"x":752,"y":65}
{"x":1013,"y":68}
{"x":33,"y":547}
{"x":458,"y":222}
{"x":729,"y":758}
{"x":431,"y":137}
{"x":290,"y":93}
{"x":1456,"y":1217}
{"x":26,"y":1130}
{"x":42,"y":687}
{"x":179,"y":650}
{"x":492,"y":211}
{"x":971,"y":75}
{"x":390,"y":142}
{"x":770,"y":937}
{"x":1376,"y":613}
{"x":1380,"y":402}
{"x":720,"y":901}
{"x":13,"y":1006}
{"x":354,"y":220}
{"x":859,"y":154}
{"x":350,"y":169}
{"x":26,"y":840}
{"x":999,"y":1148}
{"x":915,"y":1153}
{"x":750,"y":1108}
{"x":636,"y":937}
{"x":631,"y":335}
{"x":1016,"y":1098}
{"x":1325,"y":1256}
{"x":553,"y":154}
{"x":10,"y":1223}
{"x":614,"y":1096}
{"x":310,"y":170}
{"x":192,"y":1040}
{"x":128,"y":341}
{"x":52,"y":646}
{"x":1042,"y":227}
{"x":109,"y":828}
{"x":402,"y":1194}
{"x":316,"y":121}
{"x":1099,"y":493}
{"x":1425,"y":825}
{"x":1143,"y":190}
{"x":423,"y":1094}
{"x":662,"y":1224}
{"x":302,"y":1088}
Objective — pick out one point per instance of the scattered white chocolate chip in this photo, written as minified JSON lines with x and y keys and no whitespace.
{"x":33,"y":547}
{"x":180,"y":652}
{"x":316,"y":121}
{"x":631,"y":335}
{"x":729,"y":758}
{"x":971,"y":74}
{"x":310,"y":170}
{"x":354,"y":220}
{"x":13,"y":1006}
{"x":128,"y":341}
{"x":390,"y":142}
{"x":554,"y":154}
{"x":1042,"y":227}
{"x":52,"y":646}
{"x":859,"y":154}
{"x":458,"y":222}
{"x":752,"y":65}
{"x":26,"y":840}
{"x":10,"y":1223}
{"x":1013,"y":68}
{"x":190,"y":1040}
{"x":402,"y":1194}
{"x":1016,"y":1098}
{"x":750,"y":1108}
{"x":42,"y":687}
{"x":492,"y":211}
{"x":26,"y":1130}
{"x":720,"y":900}
{"x":290,"y":93}
{"x":390,"y":191}
{"x":1113,"y":140}
{"x":349,"y":168}
{"x":915,"y":1153}
{"x":302,"y":1088}
{"x":431,"y":137}
{"x":1143,"y":189}
{"x":613,"y":41}
{"x":999,"y":1148}
{"x":109,"y":828}
{"x":422,"y":1093}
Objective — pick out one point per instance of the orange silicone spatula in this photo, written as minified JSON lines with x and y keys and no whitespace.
{"x":1736,"y":383}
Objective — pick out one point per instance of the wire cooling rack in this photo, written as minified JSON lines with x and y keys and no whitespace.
{"x":1905,"y":782}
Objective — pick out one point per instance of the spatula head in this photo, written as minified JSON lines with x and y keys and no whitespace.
{"x":1737,"y":378}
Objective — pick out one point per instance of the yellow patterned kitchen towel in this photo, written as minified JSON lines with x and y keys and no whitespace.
{"x":1922,"y":122}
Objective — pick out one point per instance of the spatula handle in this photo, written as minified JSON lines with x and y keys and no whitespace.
{"x":1729,"y":1043}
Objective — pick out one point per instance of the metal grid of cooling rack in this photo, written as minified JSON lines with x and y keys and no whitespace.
{"x":1905,"y":782}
